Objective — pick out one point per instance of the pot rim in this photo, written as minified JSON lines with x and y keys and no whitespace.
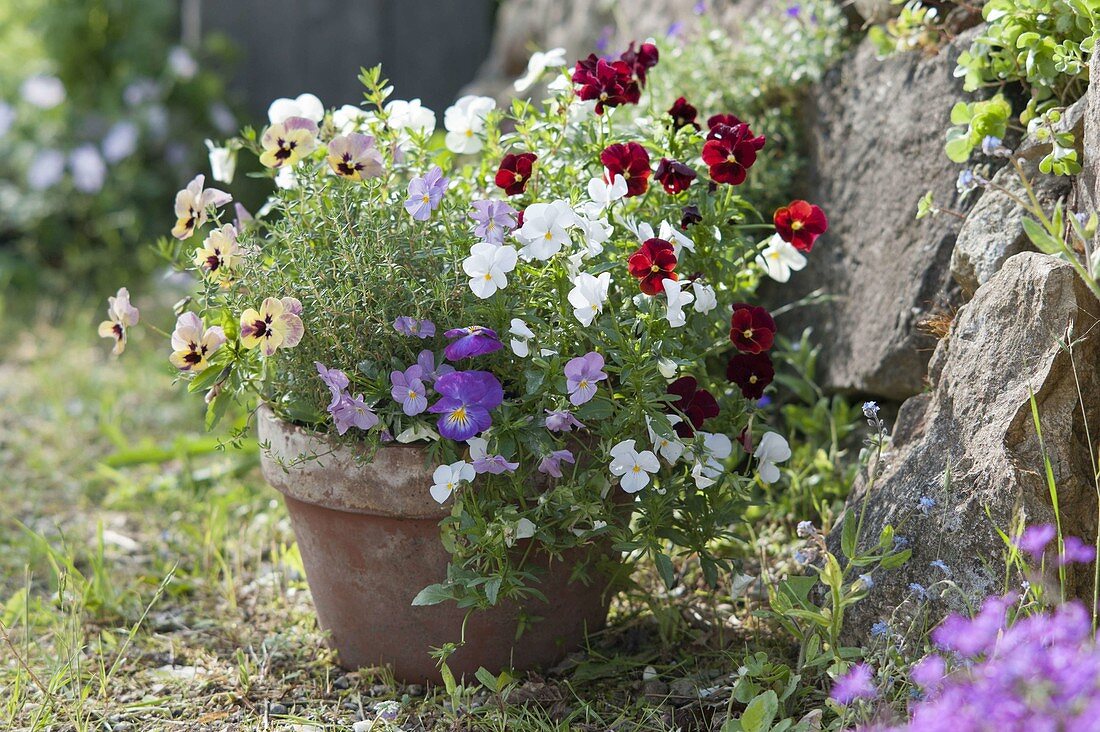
{"x":310,"y":467}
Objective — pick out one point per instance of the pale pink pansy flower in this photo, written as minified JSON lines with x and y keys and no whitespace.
{"x":285,"y":143}
{"x":120,"y":316}
{"x":277,"y":324}
{"x":193,"y":204}
{"x":193,"y":343}
{"x":354,"y":156}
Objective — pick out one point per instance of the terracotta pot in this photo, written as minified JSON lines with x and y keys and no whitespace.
{"x":369,"y":538}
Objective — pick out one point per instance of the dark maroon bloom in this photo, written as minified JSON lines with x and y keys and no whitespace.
{"x":654,"y":261}
{"x":683,"y":114}
{"x":631,"y":161}
{"x":690,"y":215}
{"x":515,"y":171}
{"x":800,"y":223}
{"x":729,"y":120}
{"x":640,"y":61}
{"x":752,"y":372}
{"x":609,"y":83}
{"x":698,"y":405}
{"x":730,"y":152}
{"x":674,"y":176}
{"x":752,"y":329}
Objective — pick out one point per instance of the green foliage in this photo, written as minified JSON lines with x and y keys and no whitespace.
{"x":973,"y":122}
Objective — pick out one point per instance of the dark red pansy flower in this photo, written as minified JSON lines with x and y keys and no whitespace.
{"x":698,"y":405}
{"x":640,"y":61}
{"x":683,"y":114}
{"x":690,"y":215}
{"x":730,"y":152}
{"x":674,"y":175}
{"x":654,"y":261}
{"x":745,"y":440}
{"x":631,"y":161}
{"x":752,"y":372}
{"x":752,"y":329}
{"x":609,"y":83}
{"x":729,"y":120}
{"x":800,"y":223}
{"x":519,"y":219}
{"x":515,"y":171}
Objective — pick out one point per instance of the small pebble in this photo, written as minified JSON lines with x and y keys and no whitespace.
{"x":341,"y":682}
{"x":414,"y":690}
{"x":276,"y":709}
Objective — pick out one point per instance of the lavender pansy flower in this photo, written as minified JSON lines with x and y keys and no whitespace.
{"x":428,"y":370}
{"x":1075,"y":550}
{"x":582,"y":374}
{"x":562,"y":420}
{"x":425,"y":193}
{"x":551,"y":464}
{"x":352,"y":411}
{"x":472,"y":341}
{"x":858,"y":683}
{"x":335,"y":379}
{"x":483,"y":462}
{"x":409,"y":391}
{"x":494,"y":220}
{"x":410,"y":326}
{"x":467,"y":398}
{"x":1034,"y":539}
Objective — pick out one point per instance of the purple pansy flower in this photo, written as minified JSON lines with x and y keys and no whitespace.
{"x":352,"y":411}
{"x":428,"y":371}
{"x":483,"y":462}
{"x":494,"y":220}
{"x":472,"y":341}
{"x":407,"y":325}
{"x":562,"y":420}
{"x":970,"y":636}
{"x":425,"y":193}
{"x":467,"y":398}
{"x":336,"y":381}
{"x":1075,"y":550}
{"x":551,"y":464}
{"x":408,"y":390}
{"x":581,"y":374}
{"x":1035,"y":538}
{"x":858,"y":683}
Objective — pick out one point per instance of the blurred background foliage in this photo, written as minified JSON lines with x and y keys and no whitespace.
{"x":102,"y":117}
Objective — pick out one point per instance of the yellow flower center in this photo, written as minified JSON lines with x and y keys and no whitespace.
{"x":731,"y":158}
{"x":427,"y":198}
{"x":747,"y":333}
{"x":654,"y":268}
{"x":412,"y":394}
{"x":637,"y":468}
{"x":752,"y":379}
{"x":488,"y":276}
{"x":796,"y":225}
{"x":582,"y":384}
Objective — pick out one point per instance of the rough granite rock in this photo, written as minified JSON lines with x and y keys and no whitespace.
{"x":993,"y":230}
{"x":875,"y":147}
{"x":977,"y":423}
{"x":1086,"y":188}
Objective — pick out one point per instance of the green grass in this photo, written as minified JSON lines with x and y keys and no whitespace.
{"x":150,"y":580}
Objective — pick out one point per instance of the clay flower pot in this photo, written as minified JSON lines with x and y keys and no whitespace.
{"x":369,"y":538}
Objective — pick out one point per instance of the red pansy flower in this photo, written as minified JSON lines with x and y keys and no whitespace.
{"x":609,"y":83}
{"x":515,"y":171}
{"x":690,"y":215}
{"x":640,"y":61}
{"x":729,"y":120}
{"x":674,"y":175}
{"x":631,"y":161}
{"x":683,"y":114}
{"x":752,"y":372}
{"x":730,"y":152}
{"x":698,"y":405}
{"x":752,"y":329}
{"x":800,"y":223}
{"x":654,"y":261}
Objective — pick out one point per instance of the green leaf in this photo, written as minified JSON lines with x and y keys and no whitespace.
{"x":664,"y":568}
{"x":487,"y":679}
{"x":492,"y":589}
{"x":960,"y":113}
{"x":431,"y":595}
{"x":1040,"y":237}
{"x":886,"y":538}
{"x":760,"y":713}
{"x":893,"y":561}
{"x":848,"y":535}
{"x":958,"y":146}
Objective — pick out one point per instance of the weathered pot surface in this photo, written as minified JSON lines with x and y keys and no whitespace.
{"x":369,"y":538}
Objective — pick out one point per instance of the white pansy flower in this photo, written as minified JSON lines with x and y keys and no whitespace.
{"x":521,"y":337}
{"x":669,"y":447}
{"x":596,"y":231}
{"x":539,"y":62}
{"x":465,"y":122}
{"x":605,"y":191}
{"x":667,"y":367}
{"x":349,"y":118}
{"x":545,"y":229}
{"x":705,"y":299}
{"x":447,"y":478}
{"x":410,"y":115}
{"x":304,"y":105}
{"x":708,"y":467}
{"x":223,"y":162}
{"x":773,"y":448}
{"x":488,"y":266}
{"x":678,"y":240}
{"x":632,"y":467}
{"x":42,"y":91}
{"x":588,"y":296}
{"x":780,"y":258}
{"x":677,"y":300}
